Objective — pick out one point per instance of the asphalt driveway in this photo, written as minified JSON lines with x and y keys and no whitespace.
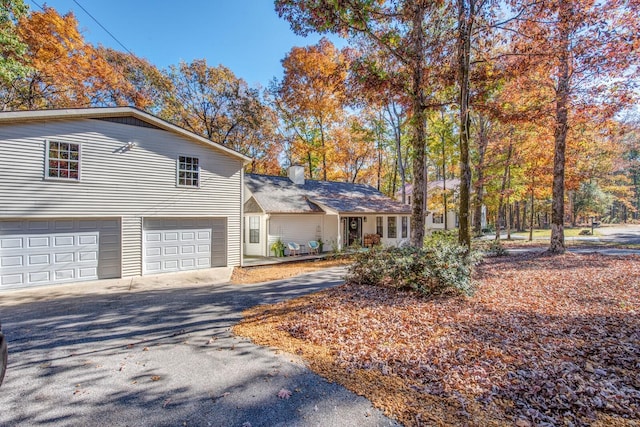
{"x":163,"y":356}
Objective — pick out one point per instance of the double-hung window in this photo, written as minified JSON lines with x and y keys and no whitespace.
{"x":188,"y":171}
{"x":63,"y":161}
{"x":379,"y":226}
{"x":254,"y":229}
{"x":405,"y":227}
{"x":392,"y":228}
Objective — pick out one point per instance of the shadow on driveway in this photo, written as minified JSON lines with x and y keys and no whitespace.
{"x":164,"y":357}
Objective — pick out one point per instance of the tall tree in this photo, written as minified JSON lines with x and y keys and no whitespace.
{"x":401,"y":29}
{"x":589,"y":51}
{"x":12,"y":48}
{"x":65,"y":70}
{"x":143,"y":84}
{"x":311,"y":96}
{"x":214,"y":103}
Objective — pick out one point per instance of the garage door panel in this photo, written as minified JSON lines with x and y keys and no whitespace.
{"x":39,"y":259}
{"x":11,"y":279}
{"x":35,"y":252}
{"x":11,"y":261}
{"x":63,"y":225}
{"x":87,"y":256}
{"x":171,"y":250}
{"x":39,"y":277}
{"x":11,"y":243}
{"x":38,"y":242}
{"x":153,"y":251}
{"x":151,"y":236}
{"x":38,"y":226}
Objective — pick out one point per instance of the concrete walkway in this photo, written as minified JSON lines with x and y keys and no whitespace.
{"x":161,"y":354}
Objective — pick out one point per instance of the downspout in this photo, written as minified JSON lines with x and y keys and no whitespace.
{"x":241,"y":219}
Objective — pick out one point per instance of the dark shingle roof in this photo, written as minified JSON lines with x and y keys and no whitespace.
{"x":279,"y":194}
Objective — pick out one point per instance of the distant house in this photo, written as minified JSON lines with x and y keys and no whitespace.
{"x":112,"y":192}
{"x":435,"y":217}
{"x":297,"y":210}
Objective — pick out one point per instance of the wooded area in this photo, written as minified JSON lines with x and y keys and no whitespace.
{"x":531,"y":104}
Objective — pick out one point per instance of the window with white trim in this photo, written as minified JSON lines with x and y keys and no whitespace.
{"x":188,"y":171}
{"x":254,"y":229}
{"x":438,"y":218}
{"x":379,"y":227}
{"x":392,"y":230}
{"x":405,"y":227}
{"x":62,"y":161}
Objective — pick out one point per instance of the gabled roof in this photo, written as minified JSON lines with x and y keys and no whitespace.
{"x":277,"y":194}
{"x":107,"y":113}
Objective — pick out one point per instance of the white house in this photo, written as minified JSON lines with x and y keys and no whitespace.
{"x":341,"y":214}
{"x":435,"y":218}
{"x":112,"y":192}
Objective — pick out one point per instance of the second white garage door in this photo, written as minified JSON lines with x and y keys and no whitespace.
{"x":180,"y":244}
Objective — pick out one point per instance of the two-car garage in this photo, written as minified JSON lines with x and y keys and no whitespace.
{"x":62,"y":250}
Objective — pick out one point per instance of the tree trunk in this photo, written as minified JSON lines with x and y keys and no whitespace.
{"x":531,"y":215}
{"x":483,"y":142}
{"x":394,"y":120}
{"x":324,"y":153}
{"x":557,"y":245}
{"x":466,"y":14}
{"x":419,"y":129}
{"x":444,"y":177}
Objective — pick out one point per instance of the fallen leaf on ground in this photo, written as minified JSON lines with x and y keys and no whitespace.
{"x":284,"y":393}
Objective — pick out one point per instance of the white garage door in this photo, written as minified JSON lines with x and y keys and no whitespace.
{"x":179,"y":244}
{"x":38,"y":252}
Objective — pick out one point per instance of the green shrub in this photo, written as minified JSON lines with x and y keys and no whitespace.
{"x":441,"y":265}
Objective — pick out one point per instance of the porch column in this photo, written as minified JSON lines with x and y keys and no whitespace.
{"x":339,"y":242}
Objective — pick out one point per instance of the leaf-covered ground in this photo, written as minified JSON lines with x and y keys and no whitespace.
{"x":544,"y":341}
{"x":282,"y":271}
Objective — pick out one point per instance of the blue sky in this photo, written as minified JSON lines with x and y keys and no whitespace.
{"x":244,"y":35}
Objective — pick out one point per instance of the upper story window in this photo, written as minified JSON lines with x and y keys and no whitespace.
{"x":438,"y":218}
{"x":188,"y":171}
{"x":63,"y":161}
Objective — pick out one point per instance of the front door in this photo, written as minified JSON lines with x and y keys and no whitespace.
{"x":353,"y":231}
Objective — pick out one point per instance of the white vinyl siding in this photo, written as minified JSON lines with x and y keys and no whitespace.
{"x":295,"y":228}
{"x":131,"y":246}
{"x":139,"y":181}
